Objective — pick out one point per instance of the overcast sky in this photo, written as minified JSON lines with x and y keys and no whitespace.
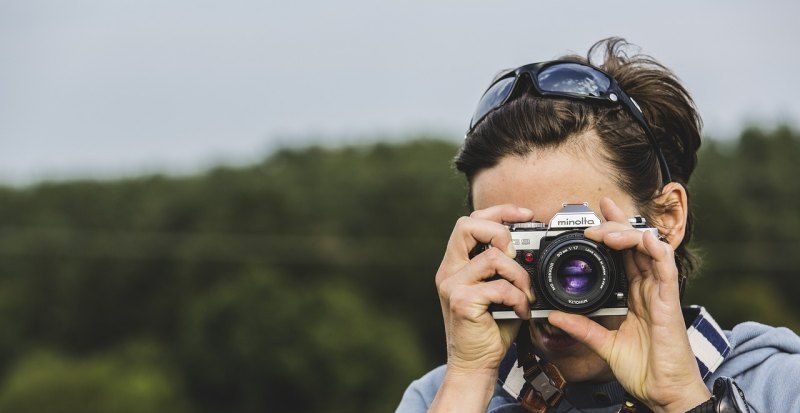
{"x":114,"y":88}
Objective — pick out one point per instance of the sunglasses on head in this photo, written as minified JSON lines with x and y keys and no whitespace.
{"x":570,"y":80}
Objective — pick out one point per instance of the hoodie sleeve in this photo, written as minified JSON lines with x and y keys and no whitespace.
{"x":765,"y":362}
{"x":420,"y":393}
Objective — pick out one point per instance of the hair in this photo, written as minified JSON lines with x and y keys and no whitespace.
{"x":529,"y":122}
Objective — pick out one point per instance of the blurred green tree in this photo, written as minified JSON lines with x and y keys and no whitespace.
{"x":134,"y":379}
{"x":747,"y":197}
{"x":261,"y":344}
{"x":305,"y":282}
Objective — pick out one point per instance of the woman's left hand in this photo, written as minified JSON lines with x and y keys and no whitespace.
{"x":649,"y":354}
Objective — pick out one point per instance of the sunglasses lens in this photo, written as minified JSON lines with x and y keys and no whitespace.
{"x":573,"y":79}
{"x":494,"y":97}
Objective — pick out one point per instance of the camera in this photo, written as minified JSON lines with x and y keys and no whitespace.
{"x":568,"y":271}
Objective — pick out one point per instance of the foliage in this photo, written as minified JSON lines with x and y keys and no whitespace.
{"x":130,"y":380}
{"x":746,"y":196}
{"x":259,"y":342}
{"x":304,"y":282}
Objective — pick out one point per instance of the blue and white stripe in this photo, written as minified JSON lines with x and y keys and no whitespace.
{"x":708,"y":342}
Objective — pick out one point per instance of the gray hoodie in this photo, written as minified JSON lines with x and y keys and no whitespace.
{"x":764,"y":361}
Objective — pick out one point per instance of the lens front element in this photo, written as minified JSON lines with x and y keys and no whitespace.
{"x":576,"y":274}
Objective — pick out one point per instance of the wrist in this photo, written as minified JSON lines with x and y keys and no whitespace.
{"x":727,"y":398}
{"x":689,"y":399}
{"x":464,"y":390}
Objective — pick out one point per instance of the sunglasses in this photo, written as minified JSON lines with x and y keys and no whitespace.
{"x":570,"y":80}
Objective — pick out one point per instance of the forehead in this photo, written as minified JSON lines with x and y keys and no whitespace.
{"x":545,"y":179}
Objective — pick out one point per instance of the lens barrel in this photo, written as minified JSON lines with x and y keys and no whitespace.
{"x":575,"y":274}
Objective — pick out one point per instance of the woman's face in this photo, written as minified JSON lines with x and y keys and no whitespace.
{"x":542,"y":181}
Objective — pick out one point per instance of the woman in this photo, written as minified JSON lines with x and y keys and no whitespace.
{"x":624,"y":142}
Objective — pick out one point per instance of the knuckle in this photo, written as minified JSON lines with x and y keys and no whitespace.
{"x":505,"y":288}
{"x":520,"y":296}
{"x":447,"y":283}
{"x":462,"y":222}
{"x":440,"y":280}
{"x":493,"y":256}
{"x":460,"y":300}
{"x":504,"y":235}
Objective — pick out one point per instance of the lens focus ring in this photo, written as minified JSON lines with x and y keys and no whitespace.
{"x":576,"y":273}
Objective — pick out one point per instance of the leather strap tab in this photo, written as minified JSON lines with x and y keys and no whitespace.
{"x":544,"y":387}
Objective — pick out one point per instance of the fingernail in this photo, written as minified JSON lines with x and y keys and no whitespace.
{"x":614,"y":235}
{"x":525,"y":211}
{"x":593,"y":228}
{"x":511,"y":250}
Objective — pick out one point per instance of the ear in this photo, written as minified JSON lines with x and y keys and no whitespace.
{"x":673,"y":211}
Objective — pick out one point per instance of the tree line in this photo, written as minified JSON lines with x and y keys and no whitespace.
{"x":305,"y":282}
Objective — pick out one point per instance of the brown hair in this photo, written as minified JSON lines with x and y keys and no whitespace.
{"x":529,"y":122}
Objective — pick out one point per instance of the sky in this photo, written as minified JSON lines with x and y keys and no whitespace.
{"x":104,"y":89}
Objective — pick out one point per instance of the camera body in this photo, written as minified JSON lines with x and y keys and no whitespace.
{"x":568,"y":271}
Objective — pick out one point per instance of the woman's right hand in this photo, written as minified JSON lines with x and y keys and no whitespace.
{"x":476,"y":343}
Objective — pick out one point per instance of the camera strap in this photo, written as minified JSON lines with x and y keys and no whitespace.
{"x":544,"y":384}
{"x":539,"y":386}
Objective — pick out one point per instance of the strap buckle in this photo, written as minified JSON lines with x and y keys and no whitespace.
{"x":544,"y":386}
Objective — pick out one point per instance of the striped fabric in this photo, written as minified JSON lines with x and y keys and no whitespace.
{"x":708,"y":342}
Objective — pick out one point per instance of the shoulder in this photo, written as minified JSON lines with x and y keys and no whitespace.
{"x":753,"y":345}
{"x":420,"y":393}
{"x":765,"y":362}
{"x":751,"y":341}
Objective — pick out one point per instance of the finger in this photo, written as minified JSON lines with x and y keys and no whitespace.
{"x":637,"y":289}
{"x":491,"y":263}
{"x":597,"y":232}
{"x":627,"y":239}
{"x":469,"y":232}
{"x":638,"y":263}
{"x":658,"y":250}
{"x":583,"y":329}
{"x":663,"y":258}
{"x":503,"y":292}
{"x":472,"y":301}
{"x":612,"y":212}
{"x":504,"y":213}
{"x":651,"y":276}
{"x":634,"y":239}
{"x":484,"y":227}
{"x":653,"y":256}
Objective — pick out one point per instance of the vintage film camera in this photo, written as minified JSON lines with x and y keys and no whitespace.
{"x":568,"y":271}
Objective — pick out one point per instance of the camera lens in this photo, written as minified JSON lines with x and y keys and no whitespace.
{"x":576,"y":276}
{"x":576,"y":273}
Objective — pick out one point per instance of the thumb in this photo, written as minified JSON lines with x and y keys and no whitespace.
{"x":583,"y":329}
